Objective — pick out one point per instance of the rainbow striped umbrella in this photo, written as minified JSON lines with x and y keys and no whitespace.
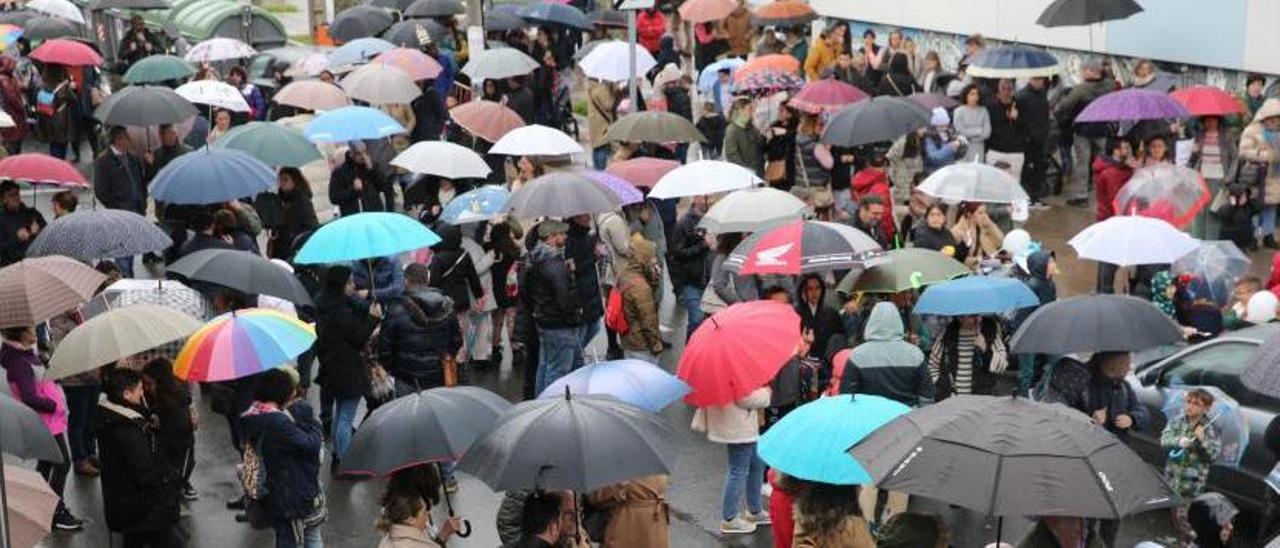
{"x":242,"y":343}
{"x":8,"y":35}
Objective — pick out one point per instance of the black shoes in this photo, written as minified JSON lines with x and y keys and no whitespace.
{"x":63,"y":520}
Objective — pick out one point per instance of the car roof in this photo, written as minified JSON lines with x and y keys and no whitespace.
{"x":1254,"y":333}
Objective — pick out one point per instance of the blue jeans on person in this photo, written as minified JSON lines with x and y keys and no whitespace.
{"x":310,"y":536}
{"x":691,"y":299}
{"x":600,"y":157}
{"x":1265,"y":220}
{"x":558,"y":351}
{"x":58,"y":150}
{"x":745,"y":475}
{"x":81,"y":402}
{"x":344,"y":417}
{"x":1026,"y":373}
{"x":589,"y":332}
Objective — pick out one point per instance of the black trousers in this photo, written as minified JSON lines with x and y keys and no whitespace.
{"x":1034,"y":166}
{"x":56,"y":474}
{"x":165,"y":538}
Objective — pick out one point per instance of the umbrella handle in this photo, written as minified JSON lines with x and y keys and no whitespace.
{"x":466,"y":529}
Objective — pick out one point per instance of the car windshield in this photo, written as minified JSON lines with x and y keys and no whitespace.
{"x":1217,"y":364}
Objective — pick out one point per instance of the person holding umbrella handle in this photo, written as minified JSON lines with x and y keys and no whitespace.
{"x":406,"y":511}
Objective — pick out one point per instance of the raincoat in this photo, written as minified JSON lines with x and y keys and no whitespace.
{"x":638,"y":305}
{"x":1187,"y":468}
{"x":887,"y":365}
{"x":1259,"y":145}
{"x":638,"y":513}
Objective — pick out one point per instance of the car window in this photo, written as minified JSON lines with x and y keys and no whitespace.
{"x":1214,"y":365}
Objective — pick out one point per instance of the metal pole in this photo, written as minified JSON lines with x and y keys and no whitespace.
{"x":632,"y":92}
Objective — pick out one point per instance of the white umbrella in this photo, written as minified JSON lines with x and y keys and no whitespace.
{"x":611,"y":61}
{"x":215,"y":94}
{"x":1128,"y":240}
{"x":971,"y":182}
{"x":443,"y":159}
{"x":704,"y":177}
{"x":750,"y":209}
{"x":494,"y":64}
{"x":536,"y":140}
{"x":219,"y":49}
{"x":118,"y":334}
{"x":57,"y":8}
{"x":310,"y":66}
{"x":381,"y":85}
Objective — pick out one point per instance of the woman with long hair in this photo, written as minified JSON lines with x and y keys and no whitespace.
{"x":170,"y":400}
{"x":977,"y":236}
{"x":829,"y":515}
{"x":502,"y":243}
{"x":406,"y":510}
{"x":972,"y":120}
{"x":297,"y":213}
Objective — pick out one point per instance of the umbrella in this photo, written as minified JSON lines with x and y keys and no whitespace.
{"x":1094,"y":323}
{"x":703,"y":177}
{"x":34,"y":290}
{"x":1216,"y":263}
{"x":737,"y":350}
{"x":1128,"y":240}
{"x":442,"y":159}
{"x":214,"y":94}
{"x":1224,"y":415}
{"x":170,"y":293}
{"x":931,"y":101}
{"x":535,"y":140}
{"x":497,"y":64}
{"x":17,"y":16}
{"x":611,"y":61}
{"x":580,"y":443}
{"x":57,"y":8}
{"x":711,"y":73}
{"x":750,"y":209}
{"x":45,"y":28}
{"x":653,"y":126}
{"x":211,"y":176}
{"x":272,"y":144}
{"x":877,"y":120}
{"x":309,"y":66}
{"x":129,"y":5}
{"x":243,"y":271}
{"x":1012,"y":456}
{"x":242,"y":343}
{"x":312,"y":95}
{"x":24,"y":434}
{"x":812,"y":441}
{"x":118,"y":334}
{"x":705,"y":11}
{"x":642,"y":172}
{"x":970,"y":182}
{"x":486,"y":119}
{"x":9,"y":35}
{"x":1131,"y":105}
{"x":359,"y":51}
{"x":416,"y":64}
{"x":29,"y":506}
{"x":774,"y":62}
{"x":1207,"y":101}
{"x":381,"y":85}
{"x":414,"y":33}
{"x":975,"y":295}
{"x":365,"y":236}
{"x":144,"y":106}
{"x":154,"y":69}
{"x":41,"y":169}
{"x":473,"y":206}
{"x":500,"y":21}
{"x":1262,"y":374}
{"x":802,"y":247}
{"x":636,"y":382}
{"x":552,"y":13}
{"x":601,"y":18}
{"x":425,"y":9}
{"x":767,"y":82}
{"x":359,"y":22}
{"x":821,"y":96}
{"x":219,"y":49}
{"x":626,"y":192}
{"x":1071,"y":13}
{"x":92,"y":234}
{"x":906,"y":269}
{"x":783,"y":13}
{"x":62,"y":51}
{"x":352,"y":124}
{"x":1174,"y":194}
{"x":561,"y":194}
{"x":1013,"y":61}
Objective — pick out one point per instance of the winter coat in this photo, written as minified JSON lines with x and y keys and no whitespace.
{"x":736,"y":422}
{"x":429,"y":115}
{"x":342,"y":191}
{"x":876,"y":182}
{"x":737,"y":25}
{"x":853,"y":533}
{"x":1256,"y":147}
{"x":1007,"y":134}
{"x":139,"y":488}
{"x":824,"y":320}
{"x":406,"y":536}
{"x":638,"y":513}
{"x":937,"y":239}
{"x":388,"y":277}
{"x":937,"y":151}
{"x":602,"y":110}
{"x":731,"y":287}
{"x":1037,"y":280}
{"x":885,"y":364}
{"x":744,"y":145}
{"x":580,"y":247}
{"x":1228,"y":153}
{"x":12,"y":101}
{"x":343,"y":328}
{"x":59,"y":127}
{"x":521,"y":101}
{"x":615,"y":233}
{"x":903,"y":167}
{"x":1033,"y":113}
{"x":547,"y":287}
{"x":419,"y":331}
{"x":820,"y":58}
{"x":119,"y":182}
{"x":638,"y":304}
{"x":944,"y":359}
{"x":650,"y":26}
{"x":297,"y":216}
{"x":1041,"y":537}
{"x":27,"y":384}
{"x":1079,"y":97}
{"x":1109,"y":176}
{"x":289,"y":446}
{"x":898,"y":82}
{"x":690,"y":258}
{"x":1116,"y":398}
{"x":987,"y":239}
{"x":875,"y":231}
{"x":809,"y":171}
{"x":452,"y":271}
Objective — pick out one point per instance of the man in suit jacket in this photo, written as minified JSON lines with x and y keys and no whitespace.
{"x":118,"y":176}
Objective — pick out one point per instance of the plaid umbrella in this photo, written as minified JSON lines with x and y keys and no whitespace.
{"x":766,"y":82}
{"x":34,"y":290}
{"x":94,"y":234}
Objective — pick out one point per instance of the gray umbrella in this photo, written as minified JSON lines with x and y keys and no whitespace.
{"x":653,"y":126}
{"x":414,"y":33}
{"x":1263,"y":373}
{"x":496,"y":64}
{"x":1073,"y":13}
{"x":1094,"y":323}
{"x":398,"y":5}
{"x":47,"y":28}
{"x":242,"y":271}
{"x":424,"y":9}
{"x":360,"y":22}
{"x":501,"y":21}
{"x":23,"y":434}
{"x":144,"y":106}
{"x":93,"y":234}
{"x":18,"y":16}
{"x":561,"y":194}
{"x":877,"y":120}
{"x":581,"y":443}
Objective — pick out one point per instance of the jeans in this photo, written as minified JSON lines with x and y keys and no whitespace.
{"x":589,"y":333}
{"x":285,"y":537}
{"x":600,"y":157}
{"x":58,"y":150}
{"x":1265,"y":221}
{"x":744,"y":475}
{"x":343,"y":420}
{"x":691,"y":299}
{"x":81,"y":403}
{"x":558,"y":351}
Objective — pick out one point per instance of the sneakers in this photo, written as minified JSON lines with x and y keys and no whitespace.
{"x":190,"y":493}
{"x":451,"y":485}
{"x":237,"y":504}
{"x":64,"y":521}
{"x":761,"y":518}
{"x":1038,"y":206}
{"x":737,"y":526}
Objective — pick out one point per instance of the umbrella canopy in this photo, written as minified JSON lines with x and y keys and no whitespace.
{"x":501,"y":21}
{"x":750,"y":209}
{"x":626,"y":192}
{"x":703,"y":177}
{"x":62,"y":51}
{"x":581,"y":443}
{"x":219,"y":49}
{"x":312,"y":95}
{"x":536,"y":140}
{"x":1131,"y":105}
{"x":739,"y":349}
{"x":352,"y":124}
{"x":705,"y":11}
{"x":766,"y":82}
{"x":144,"y":106}
{"x":18,"y":16}
{"x":1128,"y":240}
{"x":211,"y":176}
{"x":486,"y":119}
{"x":57,"y":8}
{"x":443,"y":159}
{"x":1074,"y":13}
{"x":41,"y":169}
{"x":272,"y":144}
{"x":24,"y":434}
{"x":1262,"y":375}
{"x":215,"y":94}
{"x":931,"y":101}
{"x":154,"y":69}
{"x":46,"y":28}
{"x":418,"y":65}
{"x":1207,"y":101}
{"x":812,"y":441}
{"x":553,"y":13}
{"x":773,"y":62}
{"x":358,"y":51}
{"x":804,"y":246}
{"x":711,"y":73}
{"x":970,"y":182}
{"x":243,"y":271}
{"x":601,"y":18}
{"x":1216,"y":263}
{"x":130,"y":5}
{"x":1174,"y":194}
{"x":653,"y":126}
{"x":877,"y":120}
{"x":365,"y":236}
{"x":395,"y":5}
{"x":425,"y":9}
{"x":118,"y":334}
{"x":611,"y":61}
{"x":497,"y":64}
{"x":1094,"y":323}
{"x":475,"y":205}
{"x":34,"y":290}
{"x":906,"y":269}
{"x":242,"y":343}
{"x":433,"y":425}
{"x":30,"y":504}
{"x":414,"y":33}
{"x":170,"y":293}
{"x":378,"y":84}
{"x":975,"y":295}
{"x":821,"y":96}
{"x":561,"y":194}
{"x":636,"y":382}
{"x":1013,"y":61}
{"x":89,"y":235}
{"x":642,"y":172}
{"x":783,"y":13}
{"x":359,"y":22}
{"x":1224,"y":415}
{"x":1005,"y":456}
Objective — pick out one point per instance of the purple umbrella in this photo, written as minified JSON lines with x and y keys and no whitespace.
{"x":1131,"y":105}
{"x":625,"y":191}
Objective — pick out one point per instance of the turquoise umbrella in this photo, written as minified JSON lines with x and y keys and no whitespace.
{"x":155,"y":69}
{"x":273,"y":144}
{"x":365,"y":236}
{"x":812,"y":441}
{"x":352,"y":123}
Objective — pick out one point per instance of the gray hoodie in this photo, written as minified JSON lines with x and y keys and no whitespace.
{"x":886,"y":365}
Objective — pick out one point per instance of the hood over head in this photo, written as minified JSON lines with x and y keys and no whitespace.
{"x":884,"y":323}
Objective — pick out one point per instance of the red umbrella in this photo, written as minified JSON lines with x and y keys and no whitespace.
{"x":486,"y":119}
{"x":642,"y":172}
{"x":826,"y":96}
{"x":705,"y":11}
{"x":40,"y":169}
{"x":66,"y":52}
{"x":1207,"y":101}
{"x":738,"y":350}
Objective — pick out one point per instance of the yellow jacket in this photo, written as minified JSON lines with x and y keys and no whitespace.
{"x":821,"y":57}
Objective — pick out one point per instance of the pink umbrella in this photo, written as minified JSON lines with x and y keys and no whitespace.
{"x":705,"y":11}
{"x":826,"y":96}
{"x":416,"y":64}
{"x":642,"y":172}
{"x":41,"y":169}
{"x":486,"y":119}
{"x":312,"y":95}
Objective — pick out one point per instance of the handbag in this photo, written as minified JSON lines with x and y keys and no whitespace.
{"x":382,"y":386}
{"x":775,"y":171}
{"x":711,"y":301}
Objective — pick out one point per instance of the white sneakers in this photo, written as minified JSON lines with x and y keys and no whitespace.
{"x":745,"y":523}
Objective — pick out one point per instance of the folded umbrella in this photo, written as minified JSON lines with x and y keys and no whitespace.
{"x":25,"y":435}
{"x":975,"y":295}
{"x":1128,"y":240}
{"x":486,"y":119}
{"x":905,"y":269}
{"x":826,"y":96}
{"x":877,"y":120}
{"x":1207,"y":101}
{"x":378,"y":84}
{"x":352,"y":124}
{"x":1216,"y":263}
{"x":498,"y":64}
{"x":312,"y":95}
{"x":242,"y":343}
{"x":636,"y":382}
{"x":418,"y":65}
{"x":1074,"y":13}
{"x":1094,"y":323}
{"x":553,"y":13}
{"x":1132,"y":105}
{"x":155,"y":69}
{"x":969,"y":182}
{"x":41,"y":169}
{"x":561,"y":194}
{"x":414,"y":33}
{"x":705,"y":11}
{"x":214,"y":94}
{"x":359,"y":22}
{"x":358,"y":51}
{"x":219,"y":49}
{"x":800,"y":247}
{"x":473,"y":206}
{"x":144,"y":106}
{"x":63,"y":51}
{"x":243,"y":271}
{"x":611,"y":61}
{"x":272,"y":144}
{"x":536,"y":140}
{"x":365,"y":236}
{"x":812,"y":441}
{"x":211,"y":176}
{"x":34,"y":290}
{"x":703,"y":177}
{"x":442,"y":159}
{"x":118,"y":334}
{"x":750,"y":209}
{"x":1174,"y":194}
{"x":29,"y":505}
{"x":90,"y":235}
{"x":653,"y":126}
{"x":58,"y":8}
{"x":1013,"y":61}
{"x":737,"y":350}
{"x":39,"y":29}
{"x":642,"y":172}
{"x":423,"y":9}
{"x":626,"y":192}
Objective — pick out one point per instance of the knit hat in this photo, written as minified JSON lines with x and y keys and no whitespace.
{"x":940,"y":117}
{"x":551,"y":227}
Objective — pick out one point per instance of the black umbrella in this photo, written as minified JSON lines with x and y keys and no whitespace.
{"x":242,"y":271}
{"x":48,"y":28}
{"x":1011,"y":456}
{"x":360,"y":22}
{"x":1094,"y":323}
{"x":93,"y":234}
{"x":398,"y":5}
{"x":425,"y":9}
{"x":1071,"y":13}
{"x":608,"y":18}
{"x":144,"y":106}
{"x":414,"y":33}
{"x":501,"y":21}
{"x":1263,"y":372}
{"x":879,"y":119}
{"x":552,"y":13}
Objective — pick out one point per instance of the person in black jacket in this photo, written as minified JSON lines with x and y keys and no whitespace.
{"x":520,"y":99}
{"x":1033,"y":111}
{"x":690,"y":261}
{"x":452,"y":271}
{"x":549,"y":288}
{"x":356,"y":186}
{"x":818,"y":316}
{"x":1008,"y":129}
{"x":139,"y":487}
{"x":19,"y":224}
{"x":429,"y":114}
{"x":297,"y":214}
{"x":580,"y":251}
{"x":175,"y":434}
{"x":119,"y":176}
{"x":205,"y":236}
{"x":419,"y":335}
{"x":343,"y":328}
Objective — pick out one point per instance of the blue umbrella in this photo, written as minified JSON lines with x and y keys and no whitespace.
{"x":352,"y":124}
{"x":211,"y":176}
{"x":636,"y":382}
{"x":365,"y":236}
{"x":975,"y":295}
{"x":475,"y":205}
{"x":1013,"y":61}
{"x":359,"y":51}
{"x":555,"y":14}
{"x":813,"y":440}
{"x":711,"y":73}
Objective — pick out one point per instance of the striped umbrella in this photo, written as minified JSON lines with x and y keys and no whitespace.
{"x":242,"y":343}
{"x":116,"y":335}
{"x":93,"y":234}
{"x":34,"y":290}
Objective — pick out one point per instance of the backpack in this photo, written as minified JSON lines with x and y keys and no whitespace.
{"x":839,"y":363}
{"x":614,"y":317}
{"x":253,"y":478}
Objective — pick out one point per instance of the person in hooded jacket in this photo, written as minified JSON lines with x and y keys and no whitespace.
{"x":642,"y":341}
{"x":452,"y":271}
{"x":1037,"y":273}
{"x":297,"y":213}
{"x":885,"y":364}
{"x":420,"y":333}
{"x":549,"y":296}
{"x":580,"y":249}
{"x":344,"y":325}
{"x":898,"y":82}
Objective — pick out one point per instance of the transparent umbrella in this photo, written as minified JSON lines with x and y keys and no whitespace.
{"x":1224,"y":415}
{"x":1216,"y":264}
{"x":1172,"y":193}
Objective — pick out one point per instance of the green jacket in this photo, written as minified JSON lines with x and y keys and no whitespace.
{"x":745,"y":146}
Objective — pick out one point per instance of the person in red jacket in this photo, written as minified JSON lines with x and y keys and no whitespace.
{"x":1110,"y":173}
{"x":873,"y":179}
{"x":651,"y":24}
